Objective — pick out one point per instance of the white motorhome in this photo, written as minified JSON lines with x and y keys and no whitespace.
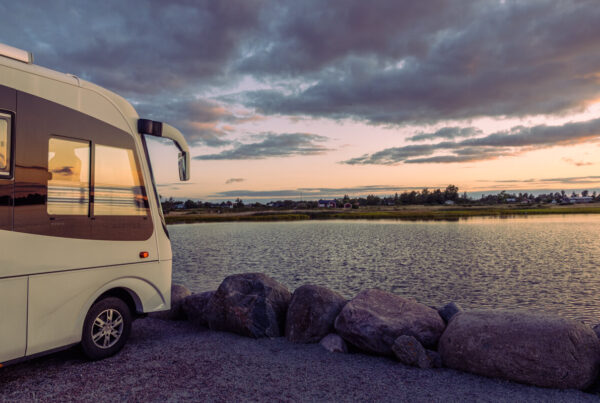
{"x":83,"y":244}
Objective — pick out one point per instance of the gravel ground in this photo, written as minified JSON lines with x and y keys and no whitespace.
{"x":174,"y":361}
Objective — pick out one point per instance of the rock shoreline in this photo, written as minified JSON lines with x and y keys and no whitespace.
{"x":530,"y":348}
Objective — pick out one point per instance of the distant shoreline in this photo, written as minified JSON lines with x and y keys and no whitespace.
{"x":408,"y":213}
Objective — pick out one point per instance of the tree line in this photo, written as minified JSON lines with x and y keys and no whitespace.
{"x":413,"y":197}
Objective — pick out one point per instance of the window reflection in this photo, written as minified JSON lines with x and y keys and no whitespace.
{"x":69,"y":172}
{"x":117,"y":188}
{"x":4,"y":146}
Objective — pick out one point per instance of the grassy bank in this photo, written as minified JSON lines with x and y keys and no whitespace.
{"x":379,"y":213}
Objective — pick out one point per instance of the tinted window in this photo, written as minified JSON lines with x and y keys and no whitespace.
{"x":69,"y":177}
{"x":117,"y":185}
{"x":4,"y":144}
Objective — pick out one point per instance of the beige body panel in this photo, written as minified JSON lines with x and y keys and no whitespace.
{"x":13,"y":314}
{"x":33,"y":254}
{"x":58,"y":302}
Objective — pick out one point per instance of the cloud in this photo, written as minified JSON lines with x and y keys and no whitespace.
{"x":426,"y":62}
{"x":446,"y":133}
{"x":390,"y":62}
{"x":573,"y":179}
{"x":556,"y":182}
{"x":273,"y":145}
{"x":511,"y":142}
{"x":577,"y":163}
{"x":65,"y":170}
{"x":202,"y":121}
{"x":234,"y":180}
{"x":134,"y":47}
{"x":312,"y":192}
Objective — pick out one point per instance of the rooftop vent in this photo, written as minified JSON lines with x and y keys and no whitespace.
{"x":17,"y":54}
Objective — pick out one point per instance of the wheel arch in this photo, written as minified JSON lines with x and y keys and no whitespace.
{"x":126,"y":295}
{"x":139,"y":294}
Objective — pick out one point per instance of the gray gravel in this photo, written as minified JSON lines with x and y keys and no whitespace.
{"x":174,"y":361}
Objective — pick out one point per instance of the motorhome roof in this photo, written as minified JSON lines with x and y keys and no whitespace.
{"x":84,"y":103}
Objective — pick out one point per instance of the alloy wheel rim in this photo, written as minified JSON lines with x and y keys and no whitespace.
{"x":107,"y":328}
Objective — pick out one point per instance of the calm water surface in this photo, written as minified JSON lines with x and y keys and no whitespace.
{"x":543,"y":263}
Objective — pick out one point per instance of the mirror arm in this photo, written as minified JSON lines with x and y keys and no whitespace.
{"x":160,"y":129}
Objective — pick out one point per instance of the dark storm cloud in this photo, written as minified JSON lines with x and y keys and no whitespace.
{"x":132,"y":47}
{"x":273,"y":145}
{"x":444,"y":62}
{"x":234,"y":180}
{"x":384,"y":62}
{"x":304,"y":37}
{"x":446,"y":133}
{"x":153,"y":51}
{"x":504,"y":143}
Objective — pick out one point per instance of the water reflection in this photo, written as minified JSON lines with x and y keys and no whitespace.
{"x":546,"y":263}
{"x":69,"y":173}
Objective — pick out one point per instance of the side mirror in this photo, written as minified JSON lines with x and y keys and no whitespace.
{"x":184,"y":166}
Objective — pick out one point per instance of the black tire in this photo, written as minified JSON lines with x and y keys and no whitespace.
{"x":106,"y":328}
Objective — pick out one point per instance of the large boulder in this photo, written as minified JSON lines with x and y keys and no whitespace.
{"x":178,"y":294}
{"x":194,"y":307}
{"x":250,"y":304}
{"x":311,"y":313}
{"x":536,"y":349}
{"x":374,"y":319}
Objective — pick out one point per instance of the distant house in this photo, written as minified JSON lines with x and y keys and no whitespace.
{"x":581,"y":199}
{"x":327,"y":203}
{"x":449,"y":202}
{"x":347,"y":205}
{"x":511,"y":200}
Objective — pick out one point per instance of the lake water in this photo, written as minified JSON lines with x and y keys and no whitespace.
{"x":546,"y":263}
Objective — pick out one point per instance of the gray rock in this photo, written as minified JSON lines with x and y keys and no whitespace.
{"x":250,"y":304}
{"x":409,"y":351}
{"x":178,"y":294}
{"x":311,"y":313}
{"x":596,"y":330}
{"x":334,"y":344}
{"x":435,"y":359}
{"x":536,"y":349}
{"x":374,"y":319}
{"x":448,"y":311}
{"x":194,"y":305}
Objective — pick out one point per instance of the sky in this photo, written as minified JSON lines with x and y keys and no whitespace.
{"x":312,"y":99}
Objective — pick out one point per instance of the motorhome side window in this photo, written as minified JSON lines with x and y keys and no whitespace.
{"x":69,"y":173}
{"x":118,"y":190}
{"x":4,"y":145}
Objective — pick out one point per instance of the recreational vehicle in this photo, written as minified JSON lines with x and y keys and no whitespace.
{"x":84,"y":248}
